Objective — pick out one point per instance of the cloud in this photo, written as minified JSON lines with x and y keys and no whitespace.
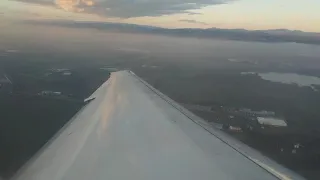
{"x":42,"y":2}
{"x":130,"y":8}
{"x":193,"y":21}
{"x":192,"y":13}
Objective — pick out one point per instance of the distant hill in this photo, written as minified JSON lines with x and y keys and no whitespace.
{"x":276,"y":35}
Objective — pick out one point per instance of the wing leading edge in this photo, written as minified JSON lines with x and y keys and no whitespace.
{"x":129,"y":130}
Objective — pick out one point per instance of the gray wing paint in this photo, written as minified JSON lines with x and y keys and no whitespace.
{"x":129,"y":130}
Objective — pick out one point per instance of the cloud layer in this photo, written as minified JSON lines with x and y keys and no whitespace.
{"x":193,"y":21}
{"x":130,"y":8}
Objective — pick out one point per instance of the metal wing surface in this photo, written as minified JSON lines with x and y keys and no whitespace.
{"x":129,"y":130}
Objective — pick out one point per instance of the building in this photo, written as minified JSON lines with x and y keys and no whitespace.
{"x":271,"y":121}
{"x":66,"y":73}
{"x":267,"y":125}
{"x":50,"y":93}
{"x":249,"y":112}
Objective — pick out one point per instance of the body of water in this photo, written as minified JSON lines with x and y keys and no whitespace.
{"x":289,"y":78}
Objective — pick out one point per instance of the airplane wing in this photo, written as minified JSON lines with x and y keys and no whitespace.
{"x":129,"y":130}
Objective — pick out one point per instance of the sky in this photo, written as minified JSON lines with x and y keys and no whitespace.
{"x":244,"y":14}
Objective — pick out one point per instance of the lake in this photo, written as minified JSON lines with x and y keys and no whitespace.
{"x":289,"y":78}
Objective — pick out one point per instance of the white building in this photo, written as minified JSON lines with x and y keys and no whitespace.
{"x":50,"y":93}
{"x":271,"y":121}
{"x":66,"y":73}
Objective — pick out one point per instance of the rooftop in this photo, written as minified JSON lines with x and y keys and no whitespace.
{"x":271,"y":121}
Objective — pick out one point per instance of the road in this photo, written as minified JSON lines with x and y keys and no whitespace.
{"x":5,"y":75}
